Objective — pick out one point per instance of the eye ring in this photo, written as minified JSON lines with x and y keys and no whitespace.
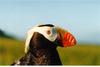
{"x":48,"y":32}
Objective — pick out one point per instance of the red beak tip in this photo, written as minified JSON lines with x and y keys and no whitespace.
{"x":69,"y":40}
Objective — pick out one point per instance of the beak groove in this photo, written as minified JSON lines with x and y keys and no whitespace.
{"x":68,"y":40}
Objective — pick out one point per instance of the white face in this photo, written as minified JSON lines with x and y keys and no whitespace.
{"x":49,"y":33}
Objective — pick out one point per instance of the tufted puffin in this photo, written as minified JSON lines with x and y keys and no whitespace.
{"x":41,"y":45}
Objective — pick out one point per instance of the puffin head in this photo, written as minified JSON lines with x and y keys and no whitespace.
{"x":51,"y":33}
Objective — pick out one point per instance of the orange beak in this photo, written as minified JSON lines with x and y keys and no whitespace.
{"x":67,"y":40}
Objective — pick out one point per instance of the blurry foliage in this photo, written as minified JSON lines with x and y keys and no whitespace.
{"x":81,"y":54}
{"x":10,"y":50}
{"x":3,"y":34}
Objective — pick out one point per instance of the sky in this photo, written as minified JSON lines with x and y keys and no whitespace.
{"x":80,"y":17}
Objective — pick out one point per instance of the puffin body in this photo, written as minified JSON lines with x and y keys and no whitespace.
{"x":41,"y":44}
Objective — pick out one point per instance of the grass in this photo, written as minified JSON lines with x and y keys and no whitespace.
{"x":82,"y":54}
{"x":10,"y":50}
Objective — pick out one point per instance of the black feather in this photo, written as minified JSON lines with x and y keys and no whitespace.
{"x":41,"y":52}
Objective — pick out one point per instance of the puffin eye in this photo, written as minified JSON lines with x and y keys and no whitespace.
{"x":48,"y":32}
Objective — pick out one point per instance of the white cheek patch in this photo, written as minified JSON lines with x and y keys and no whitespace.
{"x":42,"y":30}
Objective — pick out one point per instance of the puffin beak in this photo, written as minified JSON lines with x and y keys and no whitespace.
{"x":66,"y":40}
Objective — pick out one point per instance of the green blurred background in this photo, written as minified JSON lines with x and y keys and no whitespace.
{"x":12,"y":49}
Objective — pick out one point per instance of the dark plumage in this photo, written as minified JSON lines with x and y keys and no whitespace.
{"x":41,"y":44}
{"x":41,"y":52}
